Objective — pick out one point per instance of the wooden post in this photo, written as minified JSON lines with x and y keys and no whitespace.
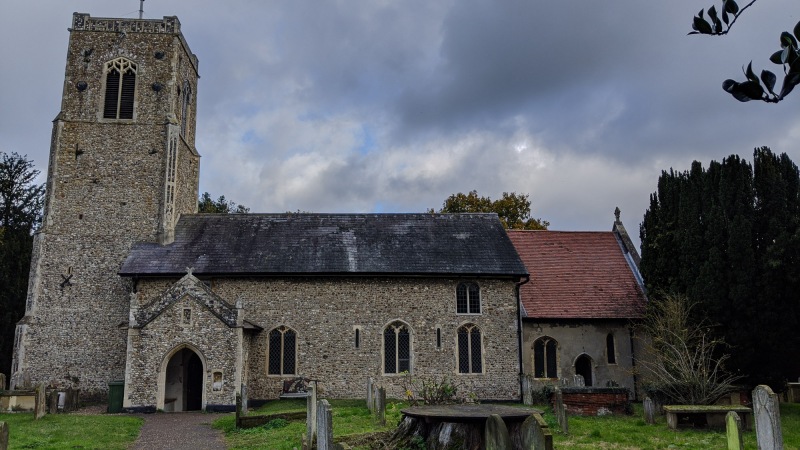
{"x":733,"y":430}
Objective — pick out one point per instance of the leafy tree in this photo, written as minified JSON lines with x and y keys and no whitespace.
{"x":728,"y":237}
{"x":755,"y":87}
{"x":219,"y":206}
{"x":20,"y":214}
{"x":686,"y":366}
{"x":513,"y":209}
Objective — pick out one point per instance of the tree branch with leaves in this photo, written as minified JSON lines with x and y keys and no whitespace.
{"x":755,"y":87}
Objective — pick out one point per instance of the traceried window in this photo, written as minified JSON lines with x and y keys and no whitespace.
{"x":469,"y":349}
{"x":545,"y":358}
{"x":282,"y":351}
{"x":611,"y":349}
{"x":120,"y":89}
{"x":186,"y":101}
{"x":396,"y":348}
{"x":468,"y":298}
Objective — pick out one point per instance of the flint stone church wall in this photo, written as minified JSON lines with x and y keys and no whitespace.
{"x":325,"y":311}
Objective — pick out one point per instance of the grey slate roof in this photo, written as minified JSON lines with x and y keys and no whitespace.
{"x":331,"y":244}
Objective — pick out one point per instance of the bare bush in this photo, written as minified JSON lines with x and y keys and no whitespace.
{"x":686,"y":360}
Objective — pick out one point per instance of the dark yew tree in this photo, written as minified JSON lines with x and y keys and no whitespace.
{"x":20,"y":214}
{"x":727,"y":237}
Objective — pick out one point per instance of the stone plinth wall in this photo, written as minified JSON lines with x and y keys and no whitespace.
{"x":591,"y":401}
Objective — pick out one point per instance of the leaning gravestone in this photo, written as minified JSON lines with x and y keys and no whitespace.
{"x":496,"y":434}
{"x":40,"y":404}
{"x":324,"y":426}
{"x":3,"y":436}
{"x":649,"y":411}
{"x":733,"y":429}
{"x":527,"y":390}
{"x":52,"y":403}
{"x":311,"y":413}
{"x":536,"y":434}
{"x":561,"y":413}
{"x":768,"y":419}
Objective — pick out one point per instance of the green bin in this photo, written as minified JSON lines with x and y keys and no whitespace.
{"x":115,"y":392}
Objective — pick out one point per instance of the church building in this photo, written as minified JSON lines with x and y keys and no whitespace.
{"x":129,"y":283}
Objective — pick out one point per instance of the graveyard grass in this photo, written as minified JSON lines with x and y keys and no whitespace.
{"x":59,"y":431}
{"x":351,"y":418}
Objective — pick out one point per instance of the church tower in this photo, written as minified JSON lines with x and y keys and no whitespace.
{"x":123,"y":167}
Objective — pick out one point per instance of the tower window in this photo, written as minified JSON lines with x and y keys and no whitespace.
{"x":186,"y":100}
{"x":120,"y":89}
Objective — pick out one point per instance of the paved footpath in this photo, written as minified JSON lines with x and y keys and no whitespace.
{"x":179,"y":431}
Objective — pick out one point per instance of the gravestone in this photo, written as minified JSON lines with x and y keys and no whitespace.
{"x":496,"y":434}
{"x":2,"y":382}
{"x":369,"y":394}
{"x":3,"y":436}
{"x":311,"y":413}
{"x":238,"y":410}
{"x":244,"y":399}
{"x":733,"y":429}
{"x":40,"y":404}
{"x":53,"y":403}
{"x":578,"y":381}
{"x":649,"y":411}
{"x":324,"y":426}
{"x":527,"y":390}
{"x":380,"y":406}
{"x":768,"y":418}
{"x":561,"y":412}
{"x":536,"y":434}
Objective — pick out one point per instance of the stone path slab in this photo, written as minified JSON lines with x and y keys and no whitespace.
{"x":179,"y":431}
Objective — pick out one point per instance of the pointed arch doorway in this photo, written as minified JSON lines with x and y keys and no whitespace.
{"x":183,"y":382}
{"x":583,"y":367}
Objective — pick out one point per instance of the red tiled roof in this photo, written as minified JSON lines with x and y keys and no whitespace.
{"x":577,"y":275}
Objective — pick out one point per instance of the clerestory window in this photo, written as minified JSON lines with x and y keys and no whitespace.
{"x":396,"y":348}
{"x":468,"y":298}
{"x":120,"y":89}
{"x":469,"y":349}
{"x":282,"y":351}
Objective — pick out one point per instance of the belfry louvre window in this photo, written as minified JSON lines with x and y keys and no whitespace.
{"x":396,"y":348}
{"x":469,"y":349}
{"x":468,"y":299}
{"x":544,"y":358}
{"x":282,"y":351}
{"x":120,"y":89}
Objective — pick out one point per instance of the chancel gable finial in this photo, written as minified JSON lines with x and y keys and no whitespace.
{"x":616,"y":213}
{"x":189,"y":270}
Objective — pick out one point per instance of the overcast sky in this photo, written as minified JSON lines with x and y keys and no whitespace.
{"x":391,"y":106}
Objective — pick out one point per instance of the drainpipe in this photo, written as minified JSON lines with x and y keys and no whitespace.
{"x":633,"y":363}
{"x":519,"y":333}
